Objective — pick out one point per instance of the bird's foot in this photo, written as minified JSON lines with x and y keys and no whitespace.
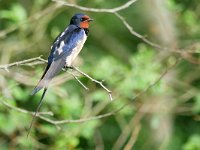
{"x":68,"y":67}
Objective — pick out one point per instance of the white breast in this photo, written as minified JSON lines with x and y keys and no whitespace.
{"x":76,"y":50}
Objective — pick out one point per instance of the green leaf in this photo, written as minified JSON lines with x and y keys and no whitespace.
{"x":17,"y":13}
{"x":193,"y":143}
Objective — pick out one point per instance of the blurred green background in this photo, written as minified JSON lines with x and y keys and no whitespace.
{"x":166,"y":117}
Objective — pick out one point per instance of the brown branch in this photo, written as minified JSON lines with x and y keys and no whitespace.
{"x":23,"y":62}
{"x":126,"y":24}
{"x":130,"y":29}
{"x":144,"y":39}
{"x":133,"y":138}
{"x":40,"y":114}
{"x":40,"y":59}
{"x":112,"y":10}
{"x":77,"y":79}
{"x":23,"y":110}
{"x":96,"y":81}
{"x":56,"y":123}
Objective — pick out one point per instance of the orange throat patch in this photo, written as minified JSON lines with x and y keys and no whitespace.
{"x":84,"y":24}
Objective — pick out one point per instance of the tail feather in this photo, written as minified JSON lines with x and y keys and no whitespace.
{"x":50,"y":72}
{"x":38,"y":88}
{"x":37,"y":110}
{"x":43,"y":83}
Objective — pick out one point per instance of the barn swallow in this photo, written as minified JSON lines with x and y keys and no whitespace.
{"x":64,"y":50}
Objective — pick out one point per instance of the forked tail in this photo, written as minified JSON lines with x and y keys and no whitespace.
{"x":37,"y":110}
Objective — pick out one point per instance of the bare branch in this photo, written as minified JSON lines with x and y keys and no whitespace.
{"x":133,"y":138}
{"x":23,"y":110}
{"x":28,"y":61}
{"x":96,"y":81}
{"x":77,"y":79}
{"x":23,"y":62}
{"x":137,"y":34}
{"x":112,"y":10}
{"x":56,"y":123}
{"x":126,"y":24}
{"x":144,"y":39}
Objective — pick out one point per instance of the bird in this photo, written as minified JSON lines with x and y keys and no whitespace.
{"x":64,"y":50}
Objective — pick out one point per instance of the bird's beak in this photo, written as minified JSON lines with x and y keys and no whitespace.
{"x":90,"y":19}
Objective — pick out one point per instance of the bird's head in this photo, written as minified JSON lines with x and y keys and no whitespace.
{"x":81,"y":20}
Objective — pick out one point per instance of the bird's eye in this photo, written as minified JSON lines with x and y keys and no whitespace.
{"x":83,"y":19}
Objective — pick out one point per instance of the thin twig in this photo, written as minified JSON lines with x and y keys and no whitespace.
{"x":126,"y":24}
{"x":56,"y":123}
{"x":96,"y":81}
{"x":23,"y":62}
{"x":130,"y":29}
{"x":112,"y":10}
{"x":144,"y":39}
{"x":27,"y":61}
{"x":77,"y":79}
{"x":133,"y":138}
{"x":25,"y":111}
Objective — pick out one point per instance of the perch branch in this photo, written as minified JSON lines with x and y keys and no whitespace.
{"x":96,"y":81}
{"x":58,"y":122}
{"x":23,"y":62}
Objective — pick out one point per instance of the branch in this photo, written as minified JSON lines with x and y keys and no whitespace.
{"x":77,"y":79}
{"x":56,"y":123}
{"x":23,"y":62}
{"x":144,"y":39}
{"x":40,"y":59}
{"x":23,"y":110}
{"x":126,"y":24}
{"x":112,"y":10}
{"x":96,"y":81}
{"x":130,"y":29}
{"x":133,"y":138}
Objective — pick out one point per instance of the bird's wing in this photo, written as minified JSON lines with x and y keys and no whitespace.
{"x":54,"y":68}
{"x":61,"y":49}
{"x":66,"y":37}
